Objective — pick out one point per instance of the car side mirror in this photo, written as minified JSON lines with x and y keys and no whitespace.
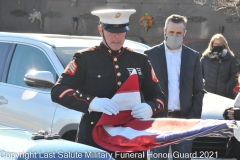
{"x":39,"y":79}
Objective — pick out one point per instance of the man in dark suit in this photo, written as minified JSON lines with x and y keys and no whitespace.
{"x":177,"y":68}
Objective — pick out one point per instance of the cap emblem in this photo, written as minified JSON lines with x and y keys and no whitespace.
{"x":118,"y":15}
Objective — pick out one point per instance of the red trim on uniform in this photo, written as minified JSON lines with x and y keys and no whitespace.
{"x":64,"y":92}
{"x":154,"y":77}
{"x":81,"y":99}
{"x":71,"y":68}
{"x":115,"y":72}
{"x":156,"y":112}
{"x":110,"y":54}
{"x":161,"y":103}
{"x":134,"y":51}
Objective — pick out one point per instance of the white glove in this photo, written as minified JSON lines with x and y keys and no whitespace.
{"x":142,"y":110}
{"x":104,"y":105}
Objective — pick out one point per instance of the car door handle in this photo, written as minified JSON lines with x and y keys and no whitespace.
{"x":3,"y":100}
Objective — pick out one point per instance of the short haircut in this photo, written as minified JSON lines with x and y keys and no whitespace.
{"x":175,"y":18}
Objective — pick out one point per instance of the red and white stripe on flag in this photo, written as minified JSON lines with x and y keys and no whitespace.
{"x":124,"y":133}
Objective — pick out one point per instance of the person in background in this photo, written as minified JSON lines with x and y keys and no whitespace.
{"x":95,"y":74}
{"x":178,"y":69}
{"x":219,"y":67}
{"x":233,"y":113}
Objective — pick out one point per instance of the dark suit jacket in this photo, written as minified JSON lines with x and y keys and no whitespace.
{"x":191,"y":82}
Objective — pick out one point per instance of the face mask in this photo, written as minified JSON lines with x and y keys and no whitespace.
{"x":173,"y":41}
{"x":217,"y":49}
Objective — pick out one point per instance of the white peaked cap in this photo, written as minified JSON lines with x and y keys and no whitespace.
{"x":114,"y":16}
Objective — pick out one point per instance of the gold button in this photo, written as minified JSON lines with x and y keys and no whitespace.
{"x":80,"y":95}
{"x":116,"y":66}
{"x":99,"y":76}
{"x":88,"y":98}
{"x":119,"y":83}
{"x":92,"y":122}
{"x":155,"y":109}
{"x":115,"y":59}
{"x":158,"y":106}
{"x":118,"y":74}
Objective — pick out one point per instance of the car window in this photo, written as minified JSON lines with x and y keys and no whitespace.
{"x":25,"y":59}
{"x":3,"y":54}
{"x":65,"y":54}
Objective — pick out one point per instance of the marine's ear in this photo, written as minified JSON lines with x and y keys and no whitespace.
{"x":100,"y":30}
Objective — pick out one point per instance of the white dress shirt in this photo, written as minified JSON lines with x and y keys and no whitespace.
{"x":173,"y":59}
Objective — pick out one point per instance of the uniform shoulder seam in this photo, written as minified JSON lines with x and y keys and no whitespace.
{"x":134,"y":51}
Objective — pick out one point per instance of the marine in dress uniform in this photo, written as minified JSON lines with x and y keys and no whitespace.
{"x":95,"y":74}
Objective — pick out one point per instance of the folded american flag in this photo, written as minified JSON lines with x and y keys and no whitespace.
{"x":124,"y":133}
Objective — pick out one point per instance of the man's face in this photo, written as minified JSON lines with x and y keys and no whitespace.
{"x":175,"y":29}
{"x":114,"y":40}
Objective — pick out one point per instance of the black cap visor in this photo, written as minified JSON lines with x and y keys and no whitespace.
{"x":116,"y":28}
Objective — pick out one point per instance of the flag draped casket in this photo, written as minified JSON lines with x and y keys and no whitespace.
{"x":124,"y":133}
